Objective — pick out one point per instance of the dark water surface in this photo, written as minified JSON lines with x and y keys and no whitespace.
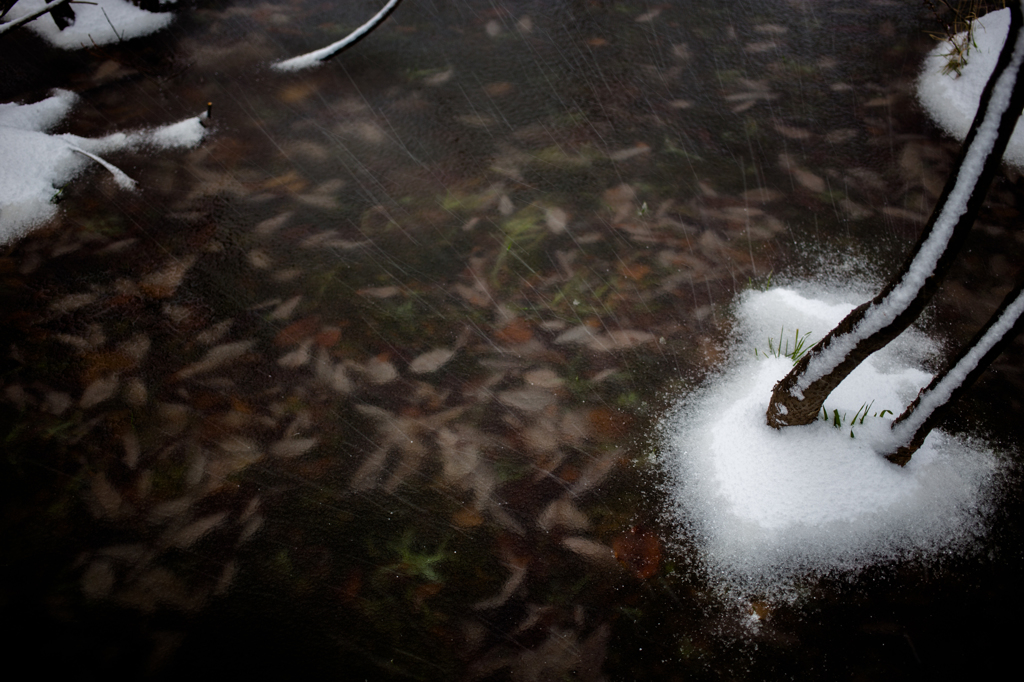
{"x":366,"y":385}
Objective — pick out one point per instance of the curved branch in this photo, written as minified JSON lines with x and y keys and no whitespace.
{"x":798,"y":398}
{"x":323,"y":54}
{"x":910,"y":429}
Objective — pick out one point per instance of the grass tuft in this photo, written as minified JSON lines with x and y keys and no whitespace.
{"x":840,"y":420}
{"x":958,"y":31}
{"x":781,"y":348}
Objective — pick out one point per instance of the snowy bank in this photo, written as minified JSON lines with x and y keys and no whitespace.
{"x":97,"y":23}
{"x":305,"y":61}
{"x":35,"y":165}
{"x":768,"y":507}
{"x":951,"y":100}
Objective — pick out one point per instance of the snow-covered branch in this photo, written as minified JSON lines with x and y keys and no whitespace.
{"x":798,"y":398}
{"x":309,"y":59}
{"x":910,"y":429}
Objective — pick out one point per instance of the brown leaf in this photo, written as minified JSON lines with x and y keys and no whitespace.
{"x":638,"y":550}
{"x":163,"y":283}
{"x":498,"y":89}
{"x":431,"y":361}
{"x":516,"y":331}
{"x":297,"y":331}
{"x":608,"y":423}
{"x":215,"y":357}
{"x":467,"y":517}
{"x":327,"y":337}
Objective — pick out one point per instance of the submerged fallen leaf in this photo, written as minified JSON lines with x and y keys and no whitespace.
{"x":562,"y":513}
{"x":106,"y":497}
{"x":467,"y":517}
{"x":556,"y":219}
{"x":163,"y":283}
{"x":292,"y":447}
{"x":630,"y":152}
{"x":380,"y":371}
{"x":214,"y":358}
{"x":297,"y":331}
{"x":809,"y":180}
{"x":72,"y":302}
{"x":591,"y":550}
{"x":99,"y":390}
{"x":498,"y":89}
{"x":793,"y":132}
{"x":516,"y":331}
{"x":638,"y":550}
{"x":527,"y":399}
{"x":380,"y":292}
{"x":191,"y":534}
{"x":285,"y":310}
{"x":620,"y":339}
{"x":431,"y":361}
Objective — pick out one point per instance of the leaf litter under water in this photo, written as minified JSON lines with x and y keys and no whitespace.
{"x":521,"y":435}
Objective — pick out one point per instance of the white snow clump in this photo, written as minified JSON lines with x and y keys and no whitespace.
{"x":98,"y":22}
{"x":951,"y":100}
{"x":770,"y":507}
{"x":35,"y":165}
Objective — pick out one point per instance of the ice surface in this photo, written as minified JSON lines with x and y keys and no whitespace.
{"x":97,"y":23}
{"x":769,"y":506}
{"x":34,"y":164}
{"x":953,"y":101}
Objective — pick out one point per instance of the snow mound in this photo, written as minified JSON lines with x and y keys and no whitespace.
{"x":35,"y":165}
{"x":99,"y":22}
{"x":951,"y":100}
{"x":769,"y":508}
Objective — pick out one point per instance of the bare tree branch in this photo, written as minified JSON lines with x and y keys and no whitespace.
{"x":325,"y":53}
{"x":911,"y":428}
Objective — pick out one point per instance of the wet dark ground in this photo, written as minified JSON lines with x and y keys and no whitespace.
{"x":366,"y":385}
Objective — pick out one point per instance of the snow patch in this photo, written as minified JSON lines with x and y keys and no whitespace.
{"x":952,"y":101}
{"x":35,"y":165}
{"x":98,"y":23}
{"x":769,"y":508}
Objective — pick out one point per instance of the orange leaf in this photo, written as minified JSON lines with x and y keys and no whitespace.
{"x":608,"y":423}
{"x":516,"y":331}
{"x":328,"y":337}
{"x":297,"y":331}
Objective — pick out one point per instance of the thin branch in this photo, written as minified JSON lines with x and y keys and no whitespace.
{"x":325,"y":53}
{"x":798,"y":398}
{"x":119,"y":175}
{"x":911,"y":428}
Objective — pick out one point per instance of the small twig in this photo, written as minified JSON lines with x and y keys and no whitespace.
{"x":120,"y":36}
{"x":119,"y":175}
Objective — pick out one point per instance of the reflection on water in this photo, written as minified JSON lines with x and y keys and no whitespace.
{"x":366,"y":382}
